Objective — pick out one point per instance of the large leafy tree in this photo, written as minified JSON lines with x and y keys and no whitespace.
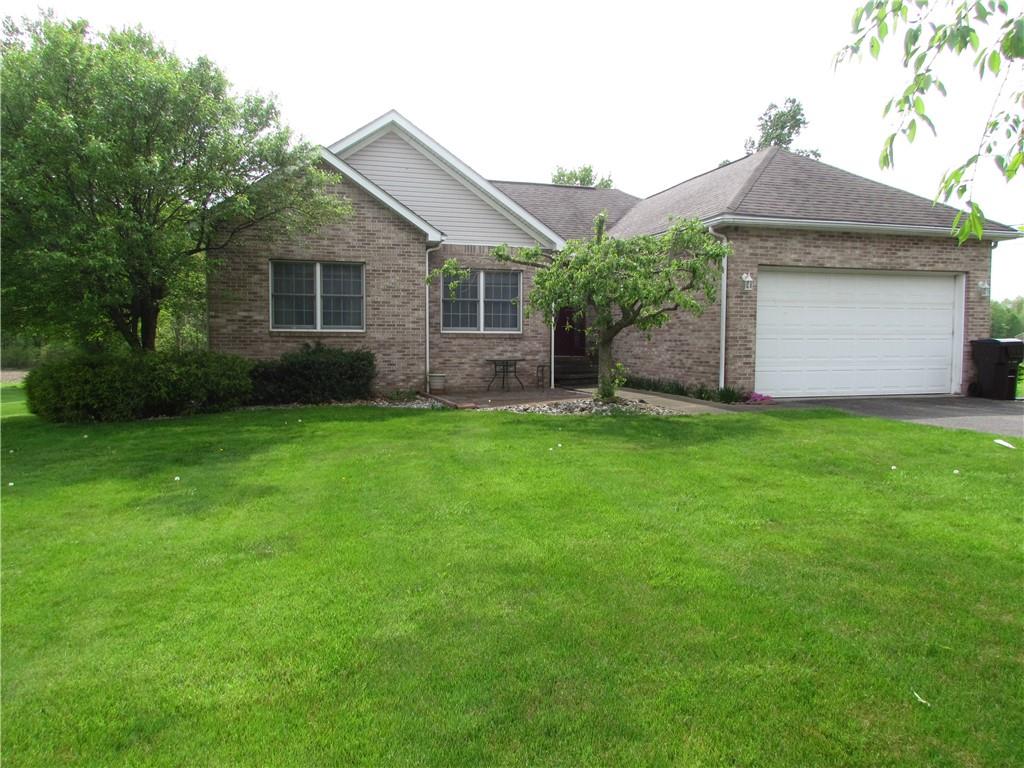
{"x":583,"y":176}
{"x":984,"y":35}
{"x":125,"y":169}
{"x":637,"y":282}
{"x":779,"y":127}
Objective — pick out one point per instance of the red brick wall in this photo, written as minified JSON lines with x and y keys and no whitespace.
{"x":688,"y":348}
{"x":393,"y":252}
{"x":462,"y":357}
{"x":685,"y":350}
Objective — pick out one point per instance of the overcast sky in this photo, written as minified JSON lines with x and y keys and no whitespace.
{"x":652,"y":93}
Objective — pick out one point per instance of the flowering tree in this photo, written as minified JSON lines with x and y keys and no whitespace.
{"x":636,"y":282}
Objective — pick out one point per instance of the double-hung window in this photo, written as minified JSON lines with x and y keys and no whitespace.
{"x":316,"y":296}
{"x":486,"y":301}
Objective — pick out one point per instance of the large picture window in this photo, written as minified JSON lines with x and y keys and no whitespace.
{"x":316,"y":296}
{"x":487,"y":301}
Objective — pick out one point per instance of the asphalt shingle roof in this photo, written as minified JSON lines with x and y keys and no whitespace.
{"x":701,"y":197}
{"x":778,"y":184}
{"x":569,"y":211}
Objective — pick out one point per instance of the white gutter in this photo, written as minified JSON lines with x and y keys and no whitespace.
{"x":722,"y":313}
{"x":846,"y":226}
{"x":426,"y":313}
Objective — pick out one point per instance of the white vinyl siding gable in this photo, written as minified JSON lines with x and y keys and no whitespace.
{"x":418,"y":182}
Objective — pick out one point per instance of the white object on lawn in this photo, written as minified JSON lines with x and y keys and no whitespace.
{"x":1004,"y":444}
{"x":920,"y":699}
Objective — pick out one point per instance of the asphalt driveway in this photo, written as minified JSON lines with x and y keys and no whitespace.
{"x":1002,"y":417}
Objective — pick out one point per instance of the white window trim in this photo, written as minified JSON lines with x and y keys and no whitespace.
{"x":479,"y":330}
{"x":317,"y":317}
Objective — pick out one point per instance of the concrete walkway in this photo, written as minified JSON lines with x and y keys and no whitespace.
{"x":1001,"y":417}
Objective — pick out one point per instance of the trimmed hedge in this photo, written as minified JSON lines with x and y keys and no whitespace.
{"x":315,"y":374}
{"x":123,"y":387}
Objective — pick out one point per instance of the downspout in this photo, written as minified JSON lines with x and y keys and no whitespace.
{"x":426,"y":314}
{"x":721,"y":322}
{"x":554,"y":319}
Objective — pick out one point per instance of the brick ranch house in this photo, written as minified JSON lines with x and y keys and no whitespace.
{"x":837,"y":285}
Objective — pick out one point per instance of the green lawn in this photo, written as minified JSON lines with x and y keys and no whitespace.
{"x":350,"y":586}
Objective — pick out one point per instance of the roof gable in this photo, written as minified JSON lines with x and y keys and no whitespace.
{"x":423,"y":175}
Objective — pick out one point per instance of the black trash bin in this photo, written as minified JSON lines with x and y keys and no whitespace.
{"x":996,"y":361}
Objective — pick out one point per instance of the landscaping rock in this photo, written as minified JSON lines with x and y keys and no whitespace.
{"x":415,"y":402}
{"x":584,"y":406}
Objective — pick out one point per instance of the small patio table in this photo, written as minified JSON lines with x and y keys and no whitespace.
{"x":505,"y":367}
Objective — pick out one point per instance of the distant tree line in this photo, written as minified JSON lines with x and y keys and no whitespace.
{"x":1008,"y":318}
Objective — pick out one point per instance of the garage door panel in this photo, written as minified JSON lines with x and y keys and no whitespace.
{"x":837,"y":333}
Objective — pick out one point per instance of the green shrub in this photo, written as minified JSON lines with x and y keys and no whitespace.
{"x":87,"y":387}
{"x":667,"y":386}
{"x":315,"y":374}
{"x":703,"y":392}
{"x":124,"y":386}
{"x":730,"y":395}
{"x":402,"y":395}
{"x":197,"y":382}
{"x":700,"y":392}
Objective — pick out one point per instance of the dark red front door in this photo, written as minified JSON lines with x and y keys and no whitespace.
{"x":570,"y":338}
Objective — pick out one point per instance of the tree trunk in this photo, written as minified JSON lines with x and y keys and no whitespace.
{"x":149,"y":314}
{"x":605,"y":368}
{"x":126,"y":324}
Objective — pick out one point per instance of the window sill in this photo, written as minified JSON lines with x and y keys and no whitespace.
{"x":318,"y":330}
{"x":481,"y":333}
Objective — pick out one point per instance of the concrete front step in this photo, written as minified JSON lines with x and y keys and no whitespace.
{"x":575,"y":371}
{"x":576,"y":380}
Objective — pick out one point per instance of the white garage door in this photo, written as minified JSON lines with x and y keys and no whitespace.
{"x":832,"y":333}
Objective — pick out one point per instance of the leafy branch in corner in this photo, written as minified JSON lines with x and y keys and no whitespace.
{"x":994,"y":38}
